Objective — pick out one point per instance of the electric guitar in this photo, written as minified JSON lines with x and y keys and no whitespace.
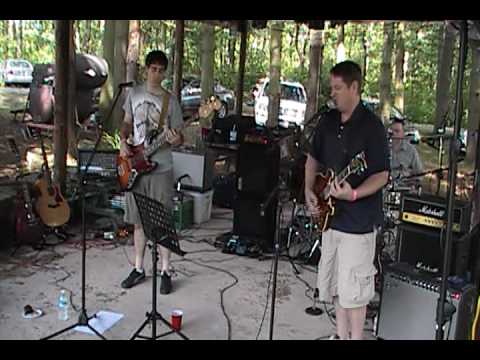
{"x":321,"y":188}
{"x":51,"y":206}
{"x":28,"y":227}
{"x":131,"y":167}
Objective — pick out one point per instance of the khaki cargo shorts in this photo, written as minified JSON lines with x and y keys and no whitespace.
{"x":346,"y":268}
{"x":157,"y":186}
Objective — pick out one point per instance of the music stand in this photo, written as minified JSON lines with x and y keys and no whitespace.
{"x":159,"y":228}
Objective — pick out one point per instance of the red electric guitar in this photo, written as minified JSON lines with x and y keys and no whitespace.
{"x":28,"y":227}
{"x":131,"y":167}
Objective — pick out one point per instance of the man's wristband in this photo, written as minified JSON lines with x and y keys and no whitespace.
{"x":354,"y":195}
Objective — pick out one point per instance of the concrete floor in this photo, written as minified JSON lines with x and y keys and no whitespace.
{"x":203,"y":280}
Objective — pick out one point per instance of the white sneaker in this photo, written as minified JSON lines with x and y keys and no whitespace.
{"x":334,"y":337}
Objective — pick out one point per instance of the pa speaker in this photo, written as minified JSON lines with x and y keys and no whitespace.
{"x":257,"y":169}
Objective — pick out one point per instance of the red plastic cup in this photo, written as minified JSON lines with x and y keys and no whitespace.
{"x":177,"y":319}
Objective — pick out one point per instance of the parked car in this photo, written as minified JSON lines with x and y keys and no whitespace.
{"x":410,"y":131}
{"x":293,"y":103}
{"x":16,"y":71}
{"x":191,"y":97}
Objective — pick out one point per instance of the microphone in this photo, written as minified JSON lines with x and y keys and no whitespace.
{"x":126,"y":84}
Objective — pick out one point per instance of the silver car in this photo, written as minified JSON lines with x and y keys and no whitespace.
{"x":16,"y":71}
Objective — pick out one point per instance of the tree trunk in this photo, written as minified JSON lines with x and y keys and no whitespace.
{"x":120,"y":66}
{"x":14,"y":37}
{"x":87,"y":36}
{"x":315,"y":56}
{"x":178,"y":59}
{"x":106,"y":94}
{"x":444,"y":77}
{"x":386,"y":71}
{"x":340,"y":43}
{"x":20,"y":37}
{"x":399,"y":70}
{"x":275,"y":73}
{"x":473,"y":104}
{"x":133,"y":53}
{"x":241,"y":69}
{"x":63,"y":108}
{"x":364,"y":54}
{"x":207,"y":59}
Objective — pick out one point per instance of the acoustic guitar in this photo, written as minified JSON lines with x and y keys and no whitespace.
{"x":51,"y":206}
{"x":139,"y":163}
{"x":28,"y":227}
{"x":321,"y":188}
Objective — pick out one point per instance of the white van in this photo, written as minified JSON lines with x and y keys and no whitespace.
{"x":16,"y":71}
{"x":293,"y":102}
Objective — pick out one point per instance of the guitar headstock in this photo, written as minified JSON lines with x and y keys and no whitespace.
{"x":359,"y":163}
{"x":209,"y":106}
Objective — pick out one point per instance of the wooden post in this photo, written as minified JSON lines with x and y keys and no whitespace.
{"x":241,"y":67}
{"x":275,"y":73}
{"x":63,"y":34}
{"x":207,"y":60}
{"x":178,"y":59}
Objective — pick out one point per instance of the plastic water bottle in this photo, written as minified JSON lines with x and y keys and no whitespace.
{"x":63,"y":304}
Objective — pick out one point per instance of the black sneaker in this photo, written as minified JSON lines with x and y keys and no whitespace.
{"x":135,"y":277}
{"x":165,"y":283}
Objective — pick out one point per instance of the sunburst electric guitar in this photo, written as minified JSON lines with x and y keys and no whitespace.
{"x":323,"y":181}
{"x":139,"y":163}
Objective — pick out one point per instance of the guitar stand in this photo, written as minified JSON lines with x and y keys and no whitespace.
{"x":58,"y":232}
{"x":159,"y":228}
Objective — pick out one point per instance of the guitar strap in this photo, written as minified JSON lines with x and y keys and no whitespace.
{"x":164,"y":111}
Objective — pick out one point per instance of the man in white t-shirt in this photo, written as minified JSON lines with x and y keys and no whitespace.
{"x":143,"y":108}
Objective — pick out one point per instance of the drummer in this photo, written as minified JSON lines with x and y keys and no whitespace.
{"x":405,"y":160}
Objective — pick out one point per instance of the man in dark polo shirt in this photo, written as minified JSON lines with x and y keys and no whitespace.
{"x":346,"y":271}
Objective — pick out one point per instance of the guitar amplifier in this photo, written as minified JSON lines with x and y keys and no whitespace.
{"x":430,"y":211}
{"x":408,"y":306}
{"x":199,"y":166}
{"x":104,"y":162}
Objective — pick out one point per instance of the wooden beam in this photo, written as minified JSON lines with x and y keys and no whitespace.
{"x":63,"y":34}
{"x":178,"y":59}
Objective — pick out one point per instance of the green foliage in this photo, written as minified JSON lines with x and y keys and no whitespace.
{"x":34,"y":40}
{"x":111,"y":140}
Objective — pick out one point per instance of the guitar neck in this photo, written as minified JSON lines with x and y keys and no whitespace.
{"x":344,"y":174}
{"x":157,"y":143}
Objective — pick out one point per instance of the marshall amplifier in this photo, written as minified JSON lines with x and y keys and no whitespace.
{"x":430,"y":211}
{"x":408,"y":306}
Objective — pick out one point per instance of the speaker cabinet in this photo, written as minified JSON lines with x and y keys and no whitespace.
{"x":257,"y":169}
{"x":250,"y":225}
{"x":408,"y":307}
{"x":419,"y":244}
{"x":257,"y":179}
{"x":199,"y":166}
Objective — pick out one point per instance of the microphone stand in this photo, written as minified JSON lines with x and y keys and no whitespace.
{"x":83,"y":318}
